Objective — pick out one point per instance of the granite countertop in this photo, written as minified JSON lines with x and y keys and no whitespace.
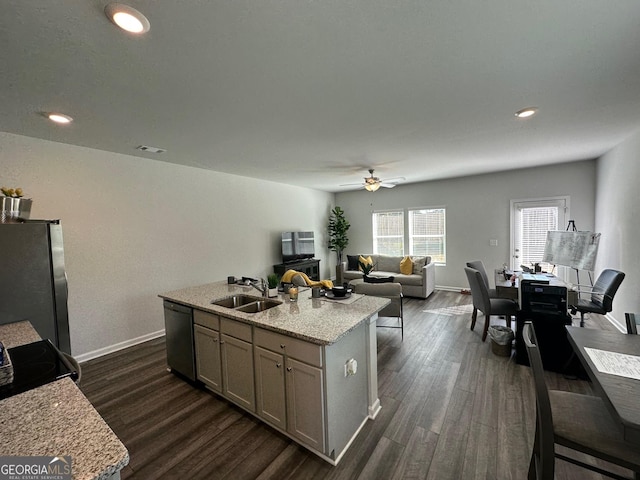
{"x":57,"y":419}
{"x":318,"y":320}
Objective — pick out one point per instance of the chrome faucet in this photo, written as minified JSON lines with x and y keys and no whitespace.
{"x":263,"y":288}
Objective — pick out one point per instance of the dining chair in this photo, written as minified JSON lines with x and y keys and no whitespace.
{"x":488,"y":306}
{"x":632,"y":323}
{"x":579,"y":422}
{"x":601,"y":294}
{"x":479,"y":265}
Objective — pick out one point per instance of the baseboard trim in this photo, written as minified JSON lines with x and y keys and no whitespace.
{"x":118,"y":346}
{"x":613,"y":321}
{"x":447,"y":288}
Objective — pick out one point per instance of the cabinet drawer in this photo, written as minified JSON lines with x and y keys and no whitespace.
{"x":236,"y":329}
{"x":292,"y":347}
{"x":206,"y":319}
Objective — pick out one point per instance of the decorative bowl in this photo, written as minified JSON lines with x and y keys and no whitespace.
{"x":339,"y":291}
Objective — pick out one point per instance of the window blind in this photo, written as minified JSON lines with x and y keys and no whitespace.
{"x":427,"y":233}
{"x":388,"y":233}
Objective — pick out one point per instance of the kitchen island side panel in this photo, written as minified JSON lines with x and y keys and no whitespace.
{"x":347,"y":407}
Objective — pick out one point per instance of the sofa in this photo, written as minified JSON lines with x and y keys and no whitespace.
{"x":420,"y":283}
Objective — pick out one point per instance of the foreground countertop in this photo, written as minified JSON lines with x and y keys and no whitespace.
{"x":57,"y":419}
{"x":317,"y":320}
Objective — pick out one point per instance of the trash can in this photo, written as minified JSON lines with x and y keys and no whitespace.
{"x":501,"y":339}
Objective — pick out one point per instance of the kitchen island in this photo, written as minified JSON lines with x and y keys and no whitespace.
{"x":307,"y":368}
{"x":56,"y":419}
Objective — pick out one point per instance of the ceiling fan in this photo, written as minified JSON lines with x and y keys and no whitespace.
{"x":372,"y":183}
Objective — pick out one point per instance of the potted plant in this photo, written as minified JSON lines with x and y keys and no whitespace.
{"x":13,"y":206}
{"x":273,"y":279}
{"x":338,"y":241}
{"x":365,"y":267}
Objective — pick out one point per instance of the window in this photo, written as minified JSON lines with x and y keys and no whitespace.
{"x":531,"y":220}
{"x":427,"y":233}
{"x":388,"y":233}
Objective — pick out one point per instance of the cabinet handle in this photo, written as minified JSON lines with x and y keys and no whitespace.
{"x":221,"y":342}
{"x":278,"y":365}
{"x":288,"y":369}
{"x":282,"y":345}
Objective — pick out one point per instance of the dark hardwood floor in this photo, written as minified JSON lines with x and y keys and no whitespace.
{"x":451,"y":409}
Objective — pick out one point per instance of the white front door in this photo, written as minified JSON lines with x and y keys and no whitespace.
{"x":530,"y":222}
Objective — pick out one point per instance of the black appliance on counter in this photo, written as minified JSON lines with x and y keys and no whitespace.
{"x":546,"y":307}
{"x":33,"y":282}
{"x":36,"y":364}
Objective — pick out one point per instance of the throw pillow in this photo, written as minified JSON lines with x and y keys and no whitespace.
{"x":368,"y":279}
{"x":406,"y":266}
{"x":352,"y":262}
{"x":418,"y":263}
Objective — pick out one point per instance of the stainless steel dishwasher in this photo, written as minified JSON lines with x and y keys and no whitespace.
{"x":178,"y":325}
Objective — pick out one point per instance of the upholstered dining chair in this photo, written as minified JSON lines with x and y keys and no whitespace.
{"x":632,"y":323}
{"x":601,"y":294}
{"x":488,"y":306}
{"x":579,"y":422}
{"x":389,"y":290}
{"x":479,"y":265}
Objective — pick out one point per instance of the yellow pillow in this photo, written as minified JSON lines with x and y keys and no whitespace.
{"x":366,"y":261}
{"x":406,"y":266}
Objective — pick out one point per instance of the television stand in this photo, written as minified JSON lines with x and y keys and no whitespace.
{"x":310,"y":267}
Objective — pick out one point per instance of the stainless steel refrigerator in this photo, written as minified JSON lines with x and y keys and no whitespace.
{"x":33,"y":282}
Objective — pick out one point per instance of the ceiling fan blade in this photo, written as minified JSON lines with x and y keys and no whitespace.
{"x":394,"y":180}
{"x":352,"y":185}
{"x":387,"y":185}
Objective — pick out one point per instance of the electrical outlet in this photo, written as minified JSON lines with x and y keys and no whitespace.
{"x":493,"y":242}
{"x":351,"y":367}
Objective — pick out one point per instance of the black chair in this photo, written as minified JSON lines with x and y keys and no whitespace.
{"x":601,"y":294}
{"x":632,"y":323}
{"x":578,"y":422}
{"x":488,"y":306}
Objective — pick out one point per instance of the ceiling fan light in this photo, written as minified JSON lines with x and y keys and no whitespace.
{"x":372,"y":186}
{"x":127,"y":18}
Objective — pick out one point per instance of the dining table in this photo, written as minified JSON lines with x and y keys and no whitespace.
{"x":612,"y":361}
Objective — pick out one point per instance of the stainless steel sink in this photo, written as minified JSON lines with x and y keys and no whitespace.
{"x":235,"y":301}
{"x":258,"y":306}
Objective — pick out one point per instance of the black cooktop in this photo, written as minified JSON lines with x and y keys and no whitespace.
{"x":36,"y":364}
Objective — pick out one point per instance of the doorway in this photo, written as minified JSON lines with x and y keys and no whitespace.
{"x":530,"y":222}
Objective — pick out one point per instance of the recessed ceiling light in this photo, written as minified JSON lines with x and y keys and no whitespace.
{"x":127,"y":18}
{"x":526,"y":112}
{"x":59,"y":118}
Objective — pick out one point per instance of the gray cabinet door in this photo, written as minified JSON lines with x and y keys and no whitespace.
{"x":305,"y":404}
{"x":237,"y":372}
{"x":208,"y":364}
{"x":270,"y":392}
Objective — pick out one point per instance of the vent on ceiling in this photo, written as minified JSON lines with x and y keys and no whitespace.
{"x":147,"y":148}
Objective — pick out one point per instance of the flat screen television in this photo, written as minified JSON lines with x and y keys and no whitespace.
{"x":297,"y":246}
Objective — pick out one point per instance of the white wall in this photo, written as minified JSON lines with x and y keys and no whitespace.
{"x":617,"y":206}
{"x":134,"y":228}
{"x":478,"y":209}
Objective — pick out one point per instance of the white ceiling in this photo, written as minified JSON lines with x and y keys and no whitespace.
{"x":315,"y":92}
